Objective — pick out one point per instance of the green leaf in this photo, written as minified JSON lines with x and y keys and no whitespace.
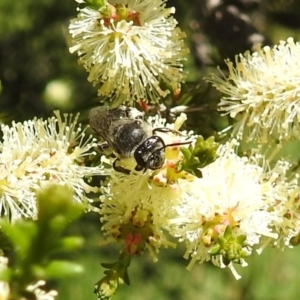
{"x":20,"y":234}
{"x":97,"y":4}
{"x":35,"y":242}
{"x":57,"y":202}
{"x":62,"y":269}
{"x":203,"y":153}
{"x":70,"y":243}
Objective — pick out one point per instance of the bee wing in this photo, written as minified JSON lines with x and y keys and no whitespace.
{"x":103,"y":120}
{"x":120,"y":127}
{"x":100,"y":120}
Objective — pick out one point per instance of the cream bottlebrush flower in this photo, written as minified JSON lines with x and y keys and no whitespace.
{"x":287,"y":205}
{"x":263,"y":92}
{"x":228,"y":213}
{"x":131,"y":48}
{"x":41,"y":152}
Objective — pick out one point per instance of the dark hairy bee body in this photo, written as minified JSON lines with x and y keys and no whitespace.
{"x":130,"y":136}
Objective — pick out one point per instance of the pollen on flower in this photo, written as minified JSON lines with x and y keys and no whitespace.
{"x":262,"y":92}
{"x":40,"y":152}
{"x":160,"y":178}
{"x":131,"y":50}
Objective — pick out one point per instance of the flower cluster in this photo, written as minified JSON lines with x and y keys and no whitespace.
{"x":131,"y":48}
{"x":234,"y":207}
{"x":40,"y":152}
{"x":262,"y":92}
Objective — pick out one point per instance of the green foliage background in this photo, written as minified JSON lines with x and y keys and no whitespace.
{"x":34,"y":53}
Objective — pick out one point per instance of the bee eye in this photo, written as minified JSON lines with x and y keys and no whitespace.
{"x":156,"y":160}
{"x":150,"y":153}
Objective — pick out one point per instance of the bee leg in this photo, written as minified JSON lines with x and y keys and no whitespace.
{"x":103,"y":146}
{"x":119,"y":168}
{"x":140,"y":168}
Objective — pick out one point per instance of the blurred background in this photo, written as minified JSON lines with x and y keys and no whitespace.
{"x":38,"y":75}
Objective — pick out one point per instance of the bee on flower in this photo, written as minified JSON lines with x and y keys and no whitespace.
{"x":147,"y":153}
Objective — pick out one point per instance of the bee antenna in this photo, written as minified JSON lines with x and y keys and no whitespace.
{"x":171,"y":145}
{"x":176,"y":144}
{"x":164,"y":147}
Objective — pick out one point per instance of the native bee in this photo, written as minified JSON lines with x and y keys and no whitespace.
{"x":126,"y":132}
